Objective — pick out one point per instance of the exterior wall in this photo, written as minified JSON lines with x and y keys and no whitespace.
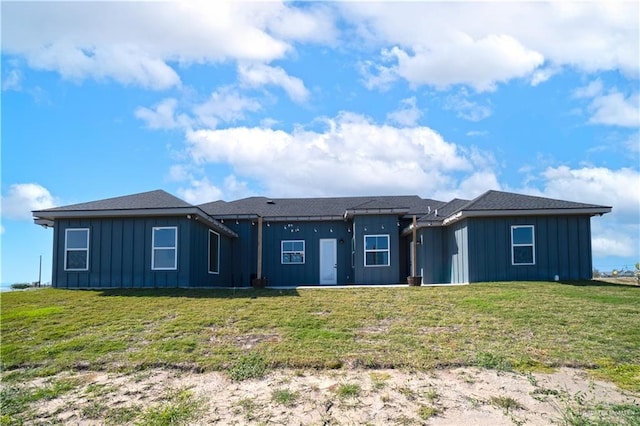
{"x":377,"y":225}
{"x":562,"y":247}
{"x":431,"y":260}
{"x":277,"y":273}
{"x":243,"y":264}
{"x":200,"y":276}
{"x":457,"y":253}
{"x":120,"y":252}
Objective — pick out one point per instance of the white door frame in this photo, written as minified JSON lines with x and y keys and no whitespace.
{"x":328,"y":279}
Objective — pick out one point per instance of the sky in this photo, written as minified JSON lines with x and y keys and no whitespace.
{"x":225,"y":100}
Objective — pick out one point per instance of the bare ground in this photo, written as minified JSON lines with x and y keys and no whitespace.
{"x":460,"y":396}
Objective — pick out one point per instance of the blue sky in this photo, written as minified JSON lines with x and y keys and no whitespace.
{"x":216,"y":100}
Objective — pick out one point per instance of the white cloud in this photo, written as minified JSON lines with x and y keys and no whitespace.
{"x":481,"y":64}
{"x":12,"y":80}
{"x":351,"y":156}
{"x":591,"y":90}
{"x":407,"y":115}
{"x":465,"y":108}
{"x":541,"y":75}
{"x":22,"y":198}
{"x":224,"y":104}
{"x":615,"y":109}
{"x":610,"y":107}
{"x":160,"y":116}
{"x":443,"y":44}
{"x":202,"y":190}
{"x":617,"y":233}
{"x":609,"y":241}
{"x":139,"y":42}
{"x":258,"y":75}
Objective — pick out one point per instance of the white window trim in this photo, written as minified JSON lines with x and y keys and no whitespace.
{"x":67,"y":249}
{"x":154,"y":248}
{"x":282,"y":252}
{"x":532,"y":245}
{"x":388,"y":250}
{"x":209,"y":251}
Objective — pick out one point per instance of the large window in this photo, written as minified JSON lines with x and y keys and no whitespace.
{"x":165,"y":248}
{"x":214,"y":252}
{"x":292,"y":252}
{"x":376,"y":250}
{"x":76,"y":249}
{"x":523,"y":246}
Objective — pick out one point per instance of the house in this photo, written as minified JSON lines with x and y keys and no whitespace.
{"x":154,"y":239}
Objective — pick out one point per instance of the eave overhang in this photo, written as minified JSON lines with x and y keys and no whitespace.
{"x":47,"y":217}
{"x":588,"y":211}
{"x":350,"y":213}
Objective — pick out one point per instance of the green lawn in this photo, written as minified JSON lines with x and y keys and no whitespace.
{"x":521,"y":326}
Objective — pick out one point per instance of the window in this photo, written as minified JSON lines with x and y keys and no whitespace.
{"x":376,"y":250}
{"x":76,"y":249}
{"x":214,"y":252}
{"x":165,"y":248}
{"x":292,"y":252}
{"x":523,"y":245}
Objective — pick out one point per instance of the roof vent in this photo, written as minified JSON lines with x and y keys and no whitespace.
{"x":270,"y":202}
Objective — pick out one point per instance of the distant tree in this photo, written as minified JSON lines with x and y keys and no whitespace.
{"x":596,"y":273}
{"x":636,"y":272}
{"x":615,"y":273}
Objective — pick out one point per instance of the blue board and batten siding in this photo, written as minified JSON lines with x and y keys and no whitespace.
{"x":479,"y":250}
{"x":120,"y":251}
{"x":562,"y":248}
{"x":382,"y":225}
{"x":350,"y":266}
{"x":278,"y":273}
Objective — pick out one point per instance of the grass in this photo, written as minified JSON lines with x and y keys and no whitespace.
{"x":348,"y":390}
{"x":425,"y":412}
{"x":284,"y":397}
{"x":250,"y":366}
{"x":507,"y":403}
{"x":180,"y":407}
{"x":504,"y":326}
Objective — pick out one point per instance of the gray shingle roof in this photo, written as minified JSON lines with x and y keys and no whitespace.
{"x":157,"y":199}
{"x":308,"y":207}
{"x":497,"y":200}
{"x":444,"y":210}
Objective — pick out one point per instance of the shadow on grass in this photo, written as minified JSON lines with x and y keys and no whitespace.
{"x":598,"y":283}
{"x":240,"y":293}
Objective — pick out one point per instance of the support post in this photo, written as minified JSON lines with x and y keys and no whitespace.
{"x":414,"y":279}
{"x":259,"y":248}
{"x":415,"y":246}
{"x":258,"y":281}
{"x":40,"y":273}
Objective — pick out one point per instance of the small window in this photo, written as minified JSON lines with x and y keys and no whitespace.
{"x":165,"y":248}
{"x":214,"y":252}
{"x":376,"y":250}
{"x":292,"y":252}
{"x":76,"y":249}
{"x":523,"y":245}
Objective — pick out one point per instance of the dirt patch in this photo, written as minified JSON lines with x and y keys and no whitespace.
{"x":442,"y":397}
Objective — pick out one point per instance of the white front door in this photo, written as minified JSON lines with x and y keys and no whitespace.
{"x":328,"y":261}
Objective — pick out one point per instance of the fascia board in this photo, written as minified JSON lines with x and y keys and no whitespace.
{"x":591,"y":211}
{"x":349,"y":213}
{"x":47,"y":217}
